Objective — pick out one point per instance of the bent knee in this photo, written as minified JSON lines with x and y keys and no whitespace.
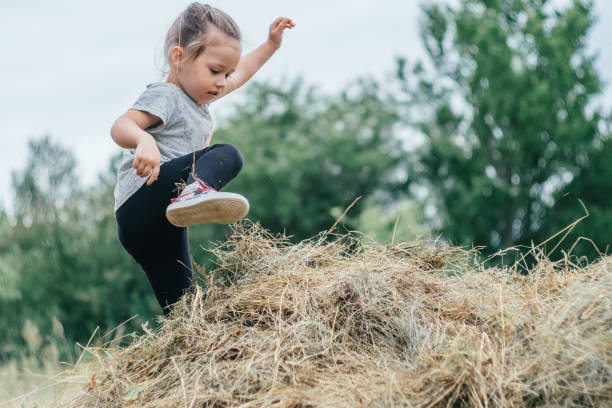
{"x":233,"y":155}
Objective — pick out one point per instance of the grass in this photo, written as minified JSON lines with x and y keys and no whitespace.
{"x":345,"y":322}
{"x":32,"y":379}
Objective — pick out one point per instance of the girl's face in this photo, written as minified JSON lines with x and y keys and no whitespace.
{"x":204,"y":77}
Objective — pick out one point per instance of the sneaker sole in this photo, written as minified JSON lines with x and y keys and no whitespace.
{"x":223,"y":208}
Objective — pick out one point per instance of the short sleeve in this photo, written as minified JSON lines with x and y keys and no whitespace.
{"x":157,"y":100}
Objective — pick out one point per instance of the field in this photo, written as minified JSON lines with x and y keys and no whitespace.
{"x":340,"y":321}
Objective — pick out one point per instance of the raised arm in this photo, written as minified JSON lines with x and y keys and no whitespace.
{"x":250,"y":63}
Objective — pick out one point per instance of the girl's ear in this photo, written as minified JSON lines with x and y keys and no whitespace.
{"x":176,"y":55}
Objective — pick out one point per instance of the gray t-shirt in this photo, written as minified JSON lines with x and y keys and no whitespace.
{"x":186,"y":127}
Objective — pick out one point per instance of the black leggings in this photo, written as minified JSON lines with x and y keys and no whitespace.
{"x":158,"y":246}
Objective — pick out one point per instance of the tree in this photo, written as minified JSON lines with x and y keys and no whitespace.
{"x":400,"y":221}
{"x":48,"y":179}
{"x":590,"y":185}
{"x":306,"y":155}
{"x":506,"y":111}
{"x":61,"y":260}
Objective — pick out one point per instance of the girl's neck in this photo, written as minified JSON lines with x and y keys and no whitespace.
{"x":171,"y":80}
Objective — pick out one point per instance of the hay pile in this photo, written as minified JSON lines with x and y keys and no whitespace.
{"x":345,"y":324}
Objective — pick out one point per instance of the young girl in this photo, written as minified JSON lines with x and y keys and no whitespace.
{"x":168,"y":132}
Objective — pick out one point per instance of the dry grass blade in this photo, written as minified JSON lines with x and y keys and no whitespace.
{"x":342,"y":323}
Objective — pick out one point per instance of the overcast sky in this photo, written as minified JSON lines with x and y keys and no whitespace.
{"x":71,"y":67}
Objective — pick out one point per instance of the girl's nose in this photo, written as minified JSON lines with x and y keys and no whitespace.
{"x":221,"y":81}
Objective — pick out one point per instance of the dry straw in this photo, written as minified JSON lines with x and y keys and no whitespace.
{"x":338,"y":322}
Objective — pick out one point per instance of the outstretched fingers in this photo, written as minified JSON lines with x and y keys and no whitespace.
{"x":276,"y":30}
{"x":282,"y":23}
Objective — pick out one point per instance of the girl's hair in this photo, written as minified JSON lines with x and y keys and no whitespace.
{"x":191,"y":26}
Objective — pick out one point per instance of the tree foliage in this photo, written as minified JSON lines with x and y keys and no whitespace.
{"x":506,"y":110}
{"x":61,"y":258}
{"x":306,"y":155}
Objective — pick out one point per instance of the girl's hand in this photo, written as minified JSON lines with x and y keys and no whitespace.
{"x":147,"y":159}
{"x":276,"y":30}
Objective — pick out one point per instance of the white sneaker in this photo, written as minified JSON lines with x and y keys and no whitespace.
{"x":200,"y":203}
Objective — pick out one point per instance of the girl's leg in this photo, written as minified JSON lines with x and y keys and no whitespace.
{"x":217,"y":166}
{"x":158,"y":246}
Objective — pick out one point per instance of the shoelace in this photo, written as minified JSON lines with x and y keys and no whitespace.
{"x":204,"y":188}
